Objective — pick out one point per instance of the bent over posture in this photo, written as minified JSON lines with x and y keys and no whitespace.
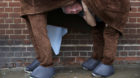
{"x":112,"y":16}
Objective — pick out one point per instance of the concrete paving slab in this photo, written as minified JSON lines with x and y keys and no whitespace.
{"x":72,"y":72}
{"x":80,"y":73}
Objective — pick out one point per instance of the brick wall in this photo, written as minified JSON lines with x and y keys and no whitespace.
{"x":17,"y":50}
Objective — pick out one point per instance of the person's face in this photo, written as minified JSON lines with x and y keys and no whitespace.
{"x":73,"y":8}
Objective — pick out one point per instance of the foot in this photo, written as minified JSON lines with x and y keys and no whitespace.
{"x":90,"y":64}
{"x":32,"y":66}
{"x":43,"y":72}
{"x":103,"y":70}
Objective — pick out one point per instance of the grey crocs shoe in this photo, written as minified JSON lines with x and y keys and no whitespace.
{"x":90,"y":64}
{"x":103,"y":70}
{"x":32,"y":66}
{"x":43,"y":72}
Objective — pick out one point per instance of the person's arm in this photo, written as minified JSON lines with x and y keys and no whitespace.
{"x":88,"y":17}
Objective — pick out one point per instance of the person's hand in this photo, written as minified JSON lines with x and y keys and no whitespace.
{"x":73,"y":8}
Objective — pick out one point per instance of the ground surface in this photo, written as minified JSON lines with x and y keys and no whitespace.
{"x":75,"y":72}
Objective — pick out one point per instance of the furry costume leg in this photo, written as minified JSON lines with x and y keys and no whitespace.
{"x":98,"y":41}
{"x":110,"y":45}
{"x":106,"y":46}
{"x":37,"y":29}
{"x":98,"y":46}
{"x":105,"y":41}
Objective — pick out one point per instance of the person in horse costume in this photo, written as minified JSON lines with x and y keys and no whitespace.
{"x":107,"y":18}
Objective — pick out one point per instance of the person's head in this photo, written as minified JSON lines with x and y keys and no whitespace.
{"x":74,"y":8}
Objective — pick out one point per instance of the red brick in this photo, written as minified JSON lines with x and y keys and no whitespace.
{"x":17,"y":9}
{"x":138,"y":30}
{"x":17,"y":26}
{"x":138,"y":9}
{"x":2,"y":31}
{"x":9,"y":31}
{"x":138,"y":19}
{"x":75,"y":54}
{"x":128,"y":58}
{"x":23,"y":21}
{"x":27,"y":42}
{"x":134,"y":9}
{"x":132,"y":54}
{"x":1,"y":21}
{"x":135,"y":3}
{"x":134,"y":15}
{"x":1,"y":10}
{"x":67,"y":54}
{"x":14,"y":15}
{"x":25,"y":32}
{"x":17,"y":20}
{"x":83,"y":48}
{"x":17,"y":31}
{"x":4,"y":25}
{"x":132,"y":26}
{"x":8,"y":20}
{"x":132,"y":30}
{"x":3,"y":4}
{"x":14,"y":4}
{"x":8,"y":9}
{"x":80,"y":59}
{"x":123,"y":53}
{"x":17,"y":36}
{"x":138,"y":53}
{"x":131,"y":36}
{"x":132,"y":19}
{"x":3,"y":15}
{"x":83,"y":53}
{"x":4,"y":36}
{"x":68,"y":48}
{"x":67,"y":60}
{"x":126,"y":30}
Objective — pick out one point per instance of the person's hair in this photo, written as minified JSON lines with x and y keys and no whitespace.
{"x":79,"y":1}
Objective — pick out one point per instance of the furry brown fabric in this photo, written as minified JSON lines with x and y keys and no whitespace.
{"x":105,"y":41}
{"x":112,"y":12}
{"x":41,"y":6}
{"x":40,"y":38}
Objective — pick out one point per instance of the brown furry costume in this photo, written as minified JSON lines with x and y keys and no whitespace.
{"x":113,"y":12}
